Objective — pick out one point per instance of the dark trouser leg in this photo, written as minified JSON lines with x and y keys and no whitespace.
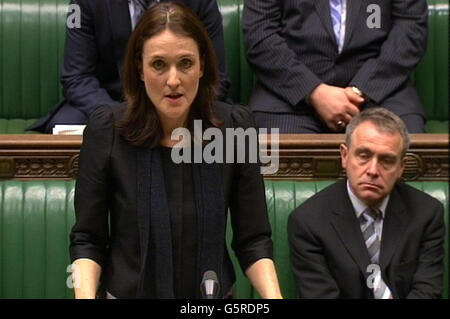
{"x":415,"y":123}
{"x":290,"y":123}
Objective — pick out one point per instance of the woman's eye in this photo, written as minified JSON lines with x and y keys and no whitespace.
{"x":186,"y":63}
{"x":158,"y":65}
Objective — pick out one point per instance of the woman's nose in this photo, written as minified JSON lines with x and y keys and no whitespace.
{"x":173,"y":80}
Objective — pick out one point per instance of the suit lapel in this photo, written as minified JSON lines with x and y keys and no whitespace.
{"x":348,"y":229}
{"x":353,"y":8}
{"x":393,"y":228}
{"x":323,"y":10}
{"x":120,"y":21}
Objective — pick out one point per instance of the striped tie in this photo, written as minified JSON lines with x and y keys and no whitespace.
{"x":372,"y":241}
{"x":336,"y":9}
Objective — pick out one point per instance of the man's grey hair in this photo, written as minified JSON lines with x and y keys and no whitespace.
{"x":384,"y":120}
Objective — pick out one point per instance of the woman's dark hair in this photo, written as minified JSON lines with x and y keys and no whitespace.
{"x":141,"y":125}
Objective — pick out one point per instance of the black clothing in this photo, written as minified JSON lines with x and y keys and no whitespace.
{"x":180,"y":196}
{"x":107,"y":199}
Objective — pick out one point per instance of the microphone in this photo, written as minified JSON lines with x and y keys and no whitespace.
{"x":210,"y":286}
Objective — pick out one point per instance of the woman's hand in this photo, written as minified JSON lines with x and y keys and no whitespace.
{"x":86,"y":277}
{"x":264,"y":278}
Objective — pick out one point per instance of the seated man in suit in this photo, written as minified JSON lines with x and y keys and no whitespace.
{"x":319,"y":63}
{"x":93,"y":56}
{"x":371,"y":235}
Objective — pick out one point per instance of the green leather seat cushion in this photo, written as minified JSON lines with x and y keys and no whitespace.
{"x":437,"y":127}
{"x":16,"y":126}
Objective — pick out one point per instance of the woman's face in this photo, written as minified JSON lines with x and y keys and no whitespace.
{"x":171,"y":71}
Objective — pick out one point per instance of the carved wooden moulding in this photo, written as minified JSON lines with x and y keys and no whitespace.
{"x":37,"y":167}
{"x":322,"y":167}
{"x":313,"y":157}
{"x":301,"y":157}
{"x":39,"y":156}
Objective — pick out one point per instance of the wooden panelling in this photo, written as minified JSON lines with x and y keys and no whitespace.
{"x":301,"y":157}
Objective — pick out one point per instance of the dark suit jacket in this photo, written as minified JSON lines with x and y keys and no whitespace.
{"x":106,"y":228}
{"x":94,"y":53}
{"x":292,"y":49}
{"x":330,"y":259}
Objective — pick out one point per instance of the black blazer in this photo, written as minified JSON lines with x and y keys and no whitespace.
{"x":330,"y":259}
{"x":292,"y":49}
{"x":94,"y":53}
{"x":106,"y":228}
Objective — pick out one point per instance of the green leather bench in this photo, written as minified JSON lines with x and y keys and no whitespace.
{"x":431,"y":76}
{"x":31,"y":47}
{"x":36,"y":218}
{"x":32,"y":43}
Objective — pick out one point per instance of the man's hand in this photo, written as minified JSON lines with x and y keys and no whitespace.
{"x":354,"y":97}
{"x":334,"y":104}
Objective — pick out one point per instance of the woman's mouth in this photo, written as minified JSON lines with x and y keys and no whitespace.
{"x":174,"y":97}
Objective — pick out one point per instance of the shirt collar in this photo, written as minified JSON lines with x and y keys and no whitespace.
{"x":360,"y":207}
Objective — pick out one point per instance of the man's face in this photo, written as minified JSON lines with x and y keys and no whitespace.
{"x":373,"y":163}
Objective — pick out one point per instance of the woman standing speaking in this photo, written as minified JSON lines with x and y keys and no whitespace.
{"x":147,"y":227}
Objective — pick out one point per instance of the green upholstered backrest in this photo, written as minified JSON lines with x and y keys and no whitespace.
{"x":36,"y":218}
{"x":32,"y":35}
{"x":282,"y":198}
{"x":431,"y":76}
